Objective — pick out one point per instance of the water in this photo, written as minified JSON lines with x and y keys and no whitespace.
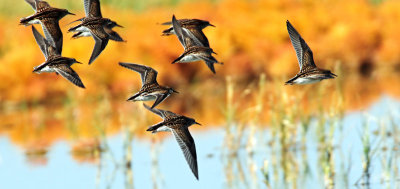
{"x":318,"y":158}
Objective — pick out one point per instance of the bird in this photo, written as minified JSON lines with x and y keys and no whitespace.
{"x":95,"y":24}
{"x":107,"y":28}
{"x":309,"y":72}
{"x":150,"y":90}
{"x":55,"y":62}
{"x":193,"y":26}
{"x":179,"y":126}
{"x":193,"y":48}
{"x":49,"y":18}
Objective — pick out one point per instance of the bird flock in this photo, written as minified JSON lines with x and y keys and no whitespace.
{"x":189,"y":33}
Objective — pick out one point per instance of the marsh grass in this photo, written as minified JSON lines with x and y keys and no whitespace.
{"x":293,"y":131}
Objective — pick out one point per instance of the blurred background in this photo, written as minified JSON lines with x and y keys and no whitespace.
{"x":256,"y":133}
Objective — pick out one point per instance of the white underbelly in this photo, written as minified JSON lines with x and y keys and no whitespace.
{"x":163,"y":129}
{"x":83,"y":29}
{"x":85,"y":34}
{"x":45,"y":69}
{"x":303,"y":81}
{"x":145,"y":98}
{"x":189,"y":58}
{"x":34,"y":21}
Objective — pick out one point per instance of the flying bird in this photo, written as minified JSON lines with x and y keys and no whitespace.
{"x":96,"y":25}
{"x":179,"y":126}
{"x":150,"y":90}
{"x":55,"y":62}
{"x":49,"y":18}
{"x":193,"y":48}
{"x":113,"y":35}
{"x":309,"y":72}
{"x":194,"y":28}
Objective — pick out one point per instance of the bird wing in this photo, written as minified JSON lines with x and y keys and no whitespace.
{"x":159,"y":99}
{"x":178,"y":31}
{"x":209,"y":60}
{"x":101,"y":39}
{"x":303,"y":52}
{"x":32,"y":3}
{"x":41,"y":41}
{"x":41,"y":5}
{"x":53,"y":33}
{"x":113,"y":35}
{"x":188,"y":147}
{"x":162,"y":113}
{"x":147,"y":74}
{"x":198,"y":36}
{"x":92,"y":8}
{"x":68,"y":73}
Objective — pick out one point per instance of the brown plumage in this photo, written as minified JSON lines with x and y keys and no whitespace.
{"x":49,"y":18}
{"x":194,"y":27}
{"x":193,"y":48}
{"x":150,"y":90}
{"x":95,"y":24}
{"x":309,"y":72}
{"x":55,"y":62}
{"x":179,"y":126}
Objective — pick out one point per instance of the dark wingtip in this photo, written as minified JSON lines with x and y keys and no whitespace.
{"x":147,"y":107}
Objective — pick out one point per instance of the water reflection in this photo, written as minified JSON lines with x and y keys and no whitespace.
{"x":327,"y":150}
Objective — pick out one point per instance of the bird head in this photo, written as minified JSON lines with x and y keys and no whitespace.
{"x":171,"y":90}
{"x":192,"y":121}
{"x":112,"y":24}
{"x":329,"y":74}
{"x":73,"y":61}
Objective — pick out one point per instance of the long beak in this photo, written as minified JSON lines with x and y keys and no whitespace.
{"x":197,"y":123}
{"x":80,"y":19}
{"x":211,"y":25}
{"x":119,"y":26}
{"x":71,"y":13}
{"x":175,"y":91}
{"x":78,"y":62}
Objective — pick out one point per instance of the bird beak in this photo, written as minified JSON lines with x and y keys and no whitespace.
{"x":119,"y":26}
{"x":78,"y":62}
{"x":71,"y":13}
{"x":197,"y":123}
{"x":211,"y":25}
{"x":175,"y":91}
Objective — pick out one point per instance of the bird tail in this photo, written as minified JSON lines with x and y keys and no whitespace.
{"x":154,"y":128}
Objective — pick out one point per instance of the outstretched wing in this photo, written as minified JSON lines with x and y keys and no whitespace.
{"x":53,"y":33}
{"x":32,"y":3}
{"x":162,"y":113}
{"x":92,"y":8}
{"x":101,"y":40}
{"x":159,"y":99}
{"x":186,"y":38}
{"x":41,"y":41}
{"x":303,"y":51}
{"x":41,"y":5}
{"x":186,"y":142}
{"x":209,"y":60}
{"x":147,"y":74}
{"x":198,"y":35}
{"x":68,"y":73}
